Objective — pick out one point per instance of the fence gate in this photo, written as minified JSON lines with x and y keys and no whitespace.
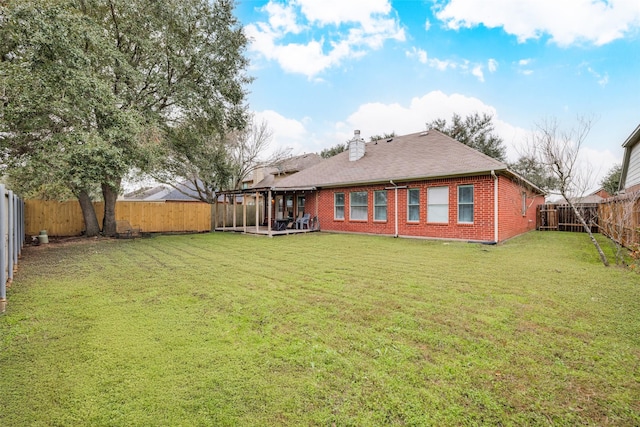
{"x":560,"y":217}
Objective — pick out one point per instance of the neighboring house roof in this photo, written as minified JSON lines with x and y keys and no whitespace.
{"x":594,"y":198}
{"x":630,"y":175}
{"x":421,"y":155}
{"x":286,"y":167}
{"x":148,"y":193}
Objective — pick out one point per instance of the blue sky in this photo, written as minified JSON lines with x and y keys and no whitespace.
{"x":323,"y":68}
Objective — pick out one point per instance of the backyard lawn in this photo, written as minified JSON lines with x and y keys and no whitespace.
{"x":320,"y":329}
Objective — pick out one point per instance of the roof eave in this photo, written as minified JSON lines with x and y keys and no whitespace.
{"x":410,"y":178}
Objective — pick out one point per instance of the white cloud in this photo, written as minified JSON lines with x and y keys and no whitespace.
{"x":419,"y":54}
{"x":427,"y":25}
{"x":378,"y":118}
{"x":477,"y":71}
{"x":464,"y":66}
{"x":282,"y":18}
{"x":286,"y":132}
{"x":567,"y":22}
{"x":492,"y":65}
{"x":337,"y":12}
{"x":524,"y":63}
{"x":602,"y":79}
{"x":363,"y":25}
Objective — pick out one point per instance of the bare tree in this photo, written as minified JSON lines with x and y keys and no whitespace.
{"x":558,"y":150}
{"x":246,"y":150}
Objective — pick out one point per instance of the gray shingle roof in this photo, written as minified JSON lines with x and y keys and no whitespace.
{"x":420,"y":155}
{"x":288,"y":166}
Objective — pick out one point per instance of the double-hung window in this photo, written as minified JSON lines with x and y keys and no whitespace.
{"x":413,"y":205}
{"x":338,"y":206}
{"x":300,"y":206}
{"x":465,"y":204}
{"x":358,"y":205}
{"x":438,"y":204}
{"x":380,"y":205}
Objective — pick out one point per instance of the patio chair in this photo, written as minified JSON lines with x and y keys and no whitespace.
{"x":302,"y":221}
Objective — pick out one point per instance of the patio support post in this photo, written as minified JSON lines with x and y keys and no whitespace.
{"x":224,"y":211}
{"x":257,"y":212}
{"x":269,"y":214}
{"x":244,"y":213}
{"x":234,"y":195}
{"x":215,"y":214}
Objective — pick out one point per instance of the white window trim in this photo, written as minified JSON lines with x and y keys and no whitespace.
{"x":386,"y":212}
{"x":351,"y":206}
{"x":429,"y":220}
{"x":409,"y":190}
{"x":473,"y":203}
{"x":335,"y":205}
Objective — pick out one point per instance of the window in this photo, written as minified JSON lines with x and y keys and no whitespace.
{"x":289,"y":206}
{"x":380,"y":205}
{"x":438,"y":204}
{"x":358,"y":205}
{"x":300,"y":206}
{"x":524,"y":203}
{"x":465,"y":203}
{"x":413,"y":205}
{"x":338,"y":206}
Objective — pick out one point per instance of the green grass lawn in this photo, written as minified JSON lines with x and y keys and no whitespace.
{"x":320,"y":329}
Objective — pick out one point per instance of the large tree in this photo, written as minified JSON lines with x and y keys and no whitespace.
{"x":528,"y":167}
{"x":218,"y":161}
{"x":475,"y":130}
{"x":113,"y":78}
{"x":611,"y":180}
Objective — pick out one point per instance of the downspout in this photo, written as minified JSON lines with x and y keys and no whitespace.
{"x":495,"y":206}
{"x":395,"y":205}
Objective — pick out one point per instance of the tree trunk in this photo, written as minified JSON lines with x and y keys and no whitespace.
{"x":92,"y":228}
{"x":586,"y":227}
{"x":110,"y":195}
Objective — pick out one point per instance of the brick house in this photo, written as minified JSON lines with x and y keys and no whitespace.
{"x":419,"y":185}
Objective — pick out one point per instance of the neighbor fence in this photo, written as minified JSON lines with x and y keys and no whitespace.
{"x":65,"y":218}
{"x":560,"y":217}
{"x":12,"y":234}
{"x":620,"y":218}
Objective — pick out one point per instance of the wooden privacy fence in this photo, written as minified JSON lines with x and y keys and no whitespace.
{"x":560,"y":217}
{"x":620,"y":219}
{"x":65,"y":218}
{"x":223,"y":214}
{"x":12,"y":239}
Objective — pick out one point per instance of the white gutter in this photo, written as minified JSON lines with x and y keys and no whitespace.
{"x":395,"y":215}
{"x":495,"y":206}
{"x":395,"y":187}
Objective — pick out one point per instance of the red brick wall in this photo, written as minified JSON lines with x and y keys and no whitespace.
{"x":512,"y":222}
{"x":510,"y":211}
{"x":481,"y":229}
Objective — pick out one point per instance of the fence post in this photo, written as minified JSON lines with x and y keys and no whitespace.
{"x":3,"y":249}
{"x":16,"y":229}
{"x":10,"y":233}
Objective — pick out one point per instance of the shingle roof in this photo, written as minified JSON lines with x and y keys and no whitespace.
{"x":420,"y":155}
{"x":286,"y":166}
